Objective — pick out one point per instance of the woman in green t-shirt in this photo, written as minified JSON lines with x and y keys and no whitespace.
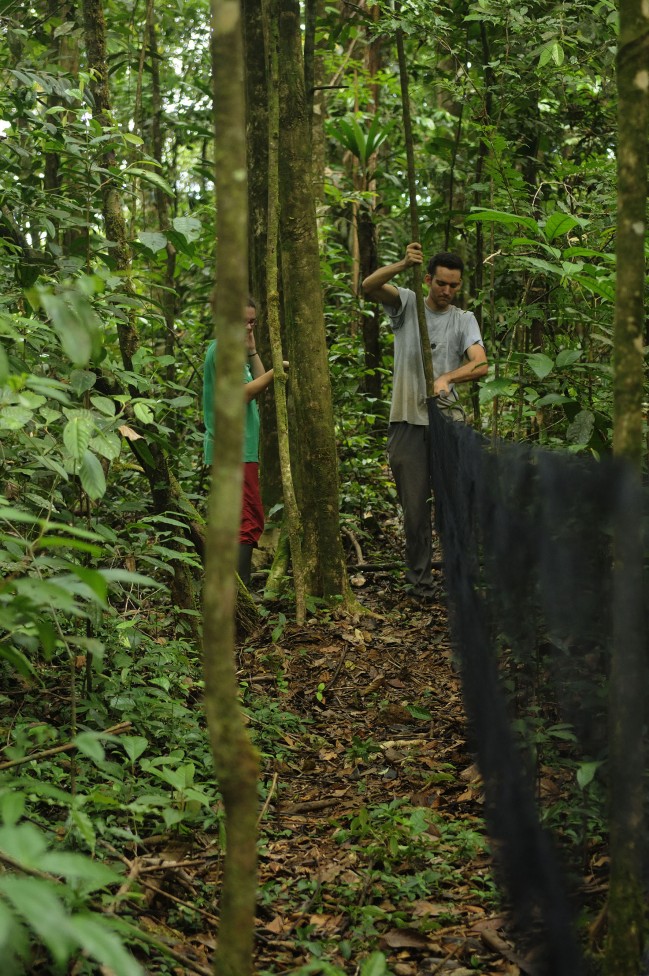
{"x":255,"y":379}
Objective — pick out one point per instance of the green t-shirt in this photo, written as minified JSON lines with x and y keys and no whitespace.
{"x":251,"y":438}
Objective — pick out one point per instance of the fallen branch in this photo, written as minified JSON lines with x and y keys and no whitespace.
{"x":68,"y":747}
{"x":355,"y":543}
{"x":264,"y":809}
{"x":493,"y":941}
{"x":309,"y":806}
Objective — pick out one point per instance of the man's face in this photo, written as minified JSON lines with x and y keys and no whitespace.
{"x":443,"y":285}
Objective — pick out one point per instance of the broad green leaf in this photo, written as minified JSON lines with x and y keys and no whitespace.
{"x":558,"y":54}
{"x":14,"y":942}
{"x":108,"y":445}
{"x":153,"y":241}
{"x":54,"y":466}
{"x":567,"y":357}
{"x":572,"y":267}
{"x":497,"y":387}
{"x":181,"y":401}
{"x":91,"y":475}
{"x":375,"y":965}
{"x":97,"y":938}
{"x":49,"y":415}
{"x":133,"y":745}
{"x":125,"y":576}
{"x":586,"y":252}
{"x":88,"y":744}
{"x":79,"y":867}
{"x":75,"y":322}
{"x":502,"y":217}
{"x":14,"y":418}
{"x":151,"y":177}
{"x":559,"y":223}
{"x":77,"y":433}
{"x":189,"y":227}
{"x":546,"y":54}
{"x":43,"y":592}
{"x":12,"y":806}
{"x":552,"y":400}
{"x":540,"y":265}
{"x":103,"y":405}
{"x":143,"y":411}
{"x":37,"y":903}
{"x":586,"y":773}
{"x":540,"y":364}
{"x":18,"y":661}
{"x":82,"y":380}
{"x":85,"y":827}
{"x":604,"y":287}
{"x":172,"y":816}
{"x":24,"y":842}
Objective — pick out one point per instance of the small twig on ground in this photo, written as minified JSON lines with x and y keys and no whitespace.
{"x":170,"y":865}
{"x":355,"y":543}
{"x":133,"y":872}
{"x":331,"y":681}
{"x":33,"y":872}
{"x":264,"y":809}
{"x":440,"y":965}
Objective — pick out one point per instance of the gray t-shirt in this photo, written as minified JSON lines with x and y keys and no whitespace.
{"x":450,"y":332}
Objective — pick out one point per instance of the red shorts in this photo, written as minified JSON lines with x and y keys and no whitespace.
{"x":252,"y":512}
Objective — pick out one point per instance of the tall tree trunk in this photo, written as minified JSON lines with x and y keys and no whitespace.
{"x":426,"y":354}
{"x":628,"y":682}
{"x":367,"y":236}
{"x":256,"y":81}
{"x":235,"y":759}
{"x":166,"y":294}
{"x":292,"y":513}
{"x":317,"y":480}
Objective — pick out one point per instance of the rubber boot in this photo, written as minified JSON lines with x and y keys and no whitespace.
{"x":245,"y":563}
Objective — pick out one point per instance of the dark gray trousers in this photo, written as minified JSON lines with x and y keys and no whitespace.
{"x":408,"y":457}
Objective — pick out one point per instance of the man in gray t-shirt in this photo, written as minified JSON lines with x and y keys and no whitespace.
{"x":458,"y":357}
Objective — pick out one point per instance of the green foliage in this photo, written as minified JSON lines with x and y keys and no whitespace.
{"x":51,"y":898}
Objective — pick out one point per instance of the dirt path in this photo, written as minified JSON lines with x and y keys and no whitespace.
{"x":372,"y":838}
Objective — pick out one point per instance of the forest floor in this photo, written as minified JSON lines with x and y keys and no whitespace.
{"x":373,"y":853}
{"x":374,"y":839}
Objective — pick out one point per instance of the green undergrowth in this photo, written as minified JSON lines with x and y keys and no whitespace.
{"x":79,"y":801}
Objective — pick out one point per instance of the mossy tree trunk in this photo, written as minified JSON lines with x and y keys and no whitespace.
{"x":315,"y":444}
{"x":235,"y":759}
{"x":629,"y":667}
{"x":256,"y":79}
{"x":292,"y":513}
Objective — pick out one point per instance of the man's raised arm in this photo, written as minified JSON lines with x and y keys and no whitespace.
{"x":376,"y":286}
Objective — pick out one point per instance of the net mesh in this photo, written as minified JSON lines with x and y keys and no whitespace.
{"x":527,"y":547}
